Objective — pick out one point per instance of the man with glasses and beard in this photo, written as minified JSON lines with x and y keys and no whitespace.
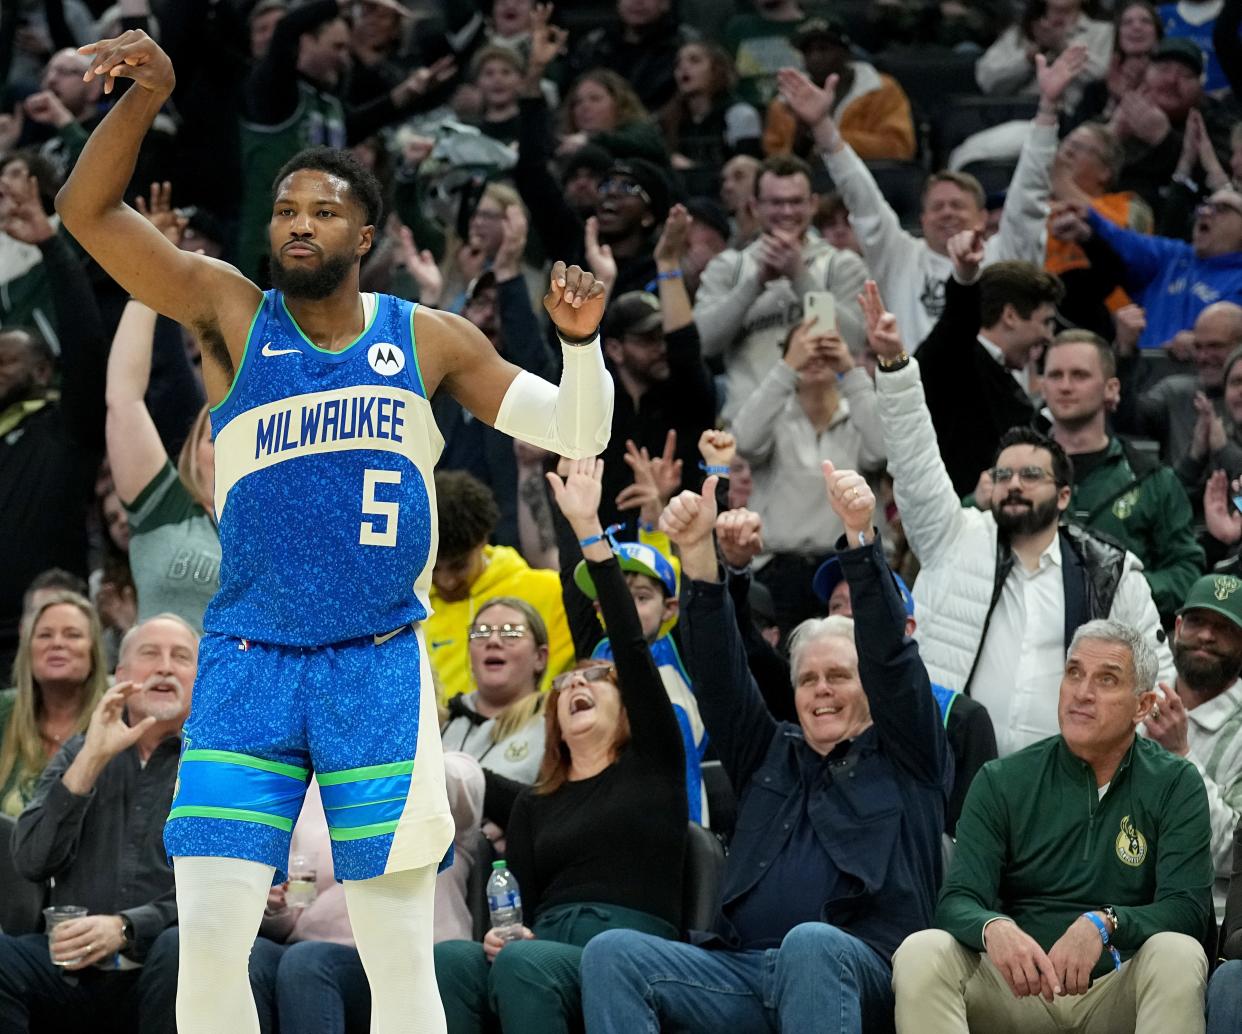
{"x":1200,"y":718}
{"x":314,"y":657}
{"x":1003,"y":590}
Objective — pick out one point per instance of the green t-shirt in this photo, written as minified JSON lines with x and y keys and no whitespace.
{"x":318,"y":121}
{"x":20,"y":785}
{"x":760,"y":49}
{"x":174,"y":550}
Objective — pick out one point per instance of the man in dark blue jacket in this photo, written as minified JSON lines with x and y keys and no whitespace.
{"x":836,"y":855}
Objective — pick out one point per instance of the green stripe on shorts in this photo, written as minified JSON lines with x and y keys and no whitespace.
{"x":228,"y":757}
{"x":377,"y":829}
{"x":194,"y":811}
{"x":354,"y":775}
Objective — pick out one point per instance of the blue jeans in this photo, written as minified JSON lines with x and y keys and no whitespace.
{"x":158,"y":983}
{"x":1224,"y":999}
{"x":820,"y":979}
{"x":322,"y":988}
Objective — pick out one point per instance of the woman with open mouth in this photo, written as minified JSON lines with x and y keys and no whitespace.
{"x":597,"y":842}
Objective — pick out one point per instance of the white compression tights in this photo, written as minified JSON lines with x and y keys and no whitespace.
{"x":220,"y":903}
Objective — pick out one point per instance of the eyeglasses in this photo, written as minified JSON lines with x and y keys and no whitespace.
{"x":626,"y":187}
{"x":595,"y":673}
{"x":1217,"y":208}
{"x":1028,"y":476}
{"x":505,"y":631}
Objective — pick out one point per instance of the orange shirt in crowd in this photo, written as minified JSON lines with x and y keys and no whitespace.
{"x":1062,"y":256}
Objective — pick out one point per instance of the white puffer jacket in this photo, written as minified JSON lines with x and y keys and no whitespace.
{"x":956,"y":547}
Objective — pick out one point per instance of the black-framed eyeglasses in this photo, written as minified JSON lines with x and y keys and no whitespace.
{"x":627,"y":187}
{"x":505,"y":631}
{"x":595,"y":673}
{"x":1028,"y":476}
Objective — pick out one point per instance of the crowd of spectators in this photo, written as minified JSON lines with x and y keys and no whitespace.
{"x":888,"y":662}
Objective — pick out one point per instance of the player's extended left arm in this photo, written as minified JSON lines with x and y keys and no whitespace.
{"x":572,"y":419}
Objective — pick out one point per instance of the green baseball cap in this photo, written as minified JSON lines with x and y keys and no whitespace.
{"x":1219,"y":592}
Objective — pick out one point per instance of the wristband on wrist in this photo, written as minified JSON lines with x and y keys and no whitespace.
{"x":669,"y":274}
{"x":607,"y":533}
{"x":579,"y":342}
{"x":714,"y":468}
{"x":1100,"y":925}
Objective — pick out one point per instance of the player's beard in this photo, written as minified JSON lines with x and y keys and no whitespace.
{"x":313,"y":284}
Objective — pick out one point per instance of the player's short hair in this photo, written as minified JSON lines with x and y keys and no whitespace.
{"x":467,"y":512}
{"x":362,"y":182}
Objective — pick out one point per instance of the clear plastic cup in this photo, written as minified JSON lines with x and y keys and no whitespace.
{"x":54,"y":917}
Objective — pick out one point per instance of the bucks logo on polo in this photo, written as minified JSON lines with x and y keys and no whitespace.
{"x":1131,"y":844}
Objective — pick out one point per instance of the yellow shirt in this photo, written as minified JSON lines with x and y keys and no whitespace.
{"x":505,"y":573}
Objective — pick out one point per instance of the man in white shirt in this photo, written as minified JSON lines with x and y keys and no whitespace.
{"x":1200,"y":718}
{"x":912,"y":271}
{"x":1004,"y":590}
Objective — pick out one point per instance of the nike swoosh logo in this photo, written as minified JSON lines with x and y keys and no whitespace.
{"x":437,"y":643}
{"x":269,"y":350}
{"x":380,"y":640}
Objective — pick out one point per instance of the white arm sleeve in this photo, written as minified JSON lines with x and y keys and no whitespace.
{"x":573,"y":420}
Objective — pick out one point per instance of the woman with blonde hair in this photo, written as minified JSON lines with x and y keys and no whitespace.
{"x":59,"y":675}
{"x":602,"y":108}
{"x":501,"y":722}
{"x":174,"y":546}
{"x":597,"y":842}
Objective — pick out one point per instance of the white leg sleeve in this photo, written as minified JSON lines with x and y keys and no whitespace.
{"x":574,"y":419}
{"x":219,"y":906}
{"x":391,"y":916}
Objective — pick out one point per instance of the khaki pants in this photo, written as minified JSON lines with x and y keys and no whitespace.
{"x":942,"y":987}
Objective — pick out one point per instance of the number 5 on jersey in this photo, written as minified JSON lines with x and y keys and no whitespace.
{"x":367,"y":535}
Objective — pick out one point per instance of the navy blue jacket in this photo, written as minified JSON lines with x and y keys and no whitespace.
{"x":879,"y":811}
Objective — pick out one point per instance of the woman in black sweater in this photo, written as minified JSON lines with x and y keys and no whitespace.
{"x":597,"y":843}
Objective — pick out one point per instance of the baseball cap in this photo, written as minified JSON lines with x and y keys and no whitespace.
{"x":829,"y":576}
{"x":707,"y":212}
{"x":1219,"y":592}
{"x":588,"y":156}
{"x":828,"y":29}
{"x":1179,"y":48}
{"x":635,"y":312}
{"x":639,"y":558}
{"x":650,"y":178}
{"x":481,"y":282}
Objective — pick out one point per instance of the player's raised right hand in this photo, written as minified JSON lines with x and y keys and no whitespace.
{"x":132,"y":55}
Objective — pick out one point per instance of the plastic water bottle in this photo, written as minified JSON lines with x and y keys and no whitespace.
{"x":505,"y":902}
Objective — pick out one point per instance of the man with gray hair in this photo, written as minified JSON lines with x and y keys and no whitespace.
{"x":95,"y":826}
{"x":836,"y":856}
{"x":1080,"y":894}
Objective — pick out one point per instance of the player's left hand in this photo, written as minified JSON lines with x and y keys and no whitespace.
{"x":575,"y":301}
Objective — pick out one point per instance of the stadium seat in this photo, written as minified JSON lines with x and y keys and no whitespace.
{"x":701,"y":877}
{"x":902,"y":185}
{"x":929,"y":74}
{"x":21,"y":902}
{"x":721,"y":800}
{"x":960,"y":117}
{"x":994,"y":176}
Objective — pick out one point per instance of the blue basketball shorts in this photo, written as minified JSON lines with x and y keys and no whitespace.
{"x":360,"y":716}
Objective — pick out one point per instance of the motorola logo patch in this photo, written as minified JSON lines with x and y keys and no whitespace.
{"x":385,"y":358}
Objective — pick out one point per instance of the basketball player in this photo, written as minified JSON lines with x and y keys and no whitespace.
{"x":314,"y":659}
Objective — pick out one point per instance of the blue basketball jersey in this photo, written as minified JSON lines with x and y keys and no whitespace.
{"x":324,"y":490}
